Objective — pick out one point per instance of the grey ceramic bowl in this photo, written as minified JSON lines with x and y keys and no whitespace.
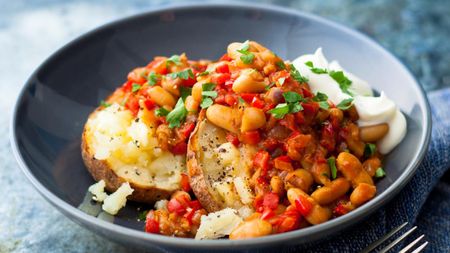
{"x":58,"y":97}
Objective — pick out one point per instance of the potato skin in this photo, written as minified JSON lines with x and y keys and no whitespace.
{"x":100,"y":169}
{"x":197,"y":180}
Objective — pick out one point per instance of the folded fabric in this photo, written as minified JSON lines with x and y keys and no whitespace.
{"x":407,"y":205}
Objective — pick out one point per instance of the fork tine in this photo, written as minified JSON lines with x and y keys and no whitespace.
{"x":405,"y":249}
{"x":421,"y":247}
{"x":383,"y":239}
{"x":392,"y":244}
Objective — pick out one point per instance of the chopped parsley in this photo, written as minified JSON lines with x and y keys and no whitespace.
{"x":342,"y":80}
{"x":322,"y":100}
{"x":105,"y":104}
{"x":292,"y":105}
{"x":246,"y":57}
{"x":380,"y":172}
{"x":135,"y":87}
{"x":281,"y":65}
{"x":315,"y":70}
{"x":345,"y":104}
{"x":241,"y":100}
{"x":177,"y":115}
{"x":161,"y":112}
{"x":332,"y":163}
{"x":174,"y":59}
{"x":185,"y":74}
{"x":152,"y":78}
{"x":142,"y":216}
{"x":296,"y":75}
{"x":369,"y":150}
{"x":208,"y":93}
{"x":185,"y":92}
{"x":204,"y":73}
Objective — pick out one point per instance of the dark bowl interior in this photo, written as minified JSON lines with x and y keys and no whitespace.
{"x":58,"y":97}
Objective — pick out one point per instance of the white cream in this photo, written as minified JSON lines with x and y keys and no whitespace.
{"x":371,"y":110}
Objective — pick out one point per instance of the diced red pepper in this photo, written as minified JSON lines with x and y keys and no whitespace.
{"x":187,"y":128}
{"x":220,"y":79}
{"x":267,"y":214}
{"x":189,"y":214}
{"x":151,"y":226}
{"x":307,"y":93}
{"x":233,"y":139}
{"x":328,"y":140}
{"x":271,"y":200}
{"x":230,"y":99}
{"x":195,"y":204}
{"x":299,"y":118}
{"x":340,"y":210}
{"x":270,"y":143}
{"x":184,"y":182}
{"x":225,"y":57}
{"x":248,"y":97}
{"x":258,"y":103}
{"x":261,"y":160}
{"x":190,"y":81}
{"x":174,"y":206}
{"x":310,"y":108}
{"x":303,"y":205}
{"x":180,"y":148}
{"x":132,"y":104}
{"x":228,"y":84}
{"x":258,"y":203}
{"x":222,"y":68}
{"x":251,"y":137}
{"x":149,"y":104}
{"x":126,"y":87}
{"x":289,"y":122}
{"x":283,"y":163}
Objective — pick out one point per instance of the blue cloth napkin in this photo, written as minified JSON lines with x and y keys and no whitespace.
{"x":432,"y":217}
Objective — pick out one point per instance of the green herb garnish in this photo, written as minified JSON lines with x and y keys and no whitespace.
{"x":208,"y":93}
{"x":204,"y":73}
{"x":345,"y":104}
{"x":142,"y":216}
{"x":135,"y":87}
{"x":292,"y":105}
{"x":380,"y":172}
{"x":296,"y":75}
{"x":269,"y":86}
{"x":315,"y":70}
{"x":161,"y":112}
{"x":342,"y":80}
{"x":174,"y":59}
{"x":322,"y":100}
{"x":177,"y":115}
{"x":332,"y":163}
{"x":246,"y":57}
{"x":105,"y":104}
{"x":281,"y":65}
{"x":369,"y":150}
{"x":152,"y":78}
{"x":185,"y":92}
{"x":185,"y":74}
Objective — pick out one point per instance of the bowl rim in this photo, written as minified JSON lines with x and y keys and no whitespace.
{"x":311,"y":233}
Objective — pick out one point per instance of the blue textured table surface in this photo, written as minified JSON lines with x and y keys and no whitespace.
{"x":418,"y":32}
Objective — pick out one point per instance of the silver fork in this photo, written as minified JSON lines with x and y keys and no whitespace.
{"x":389,"y":235}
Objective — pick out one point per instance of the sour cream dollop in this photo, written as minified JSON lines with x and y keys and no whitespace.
{"x":372,"y":110}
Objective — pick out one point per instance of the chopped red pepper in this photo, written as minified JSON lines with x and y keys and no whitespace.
{"x":251,"y":137}
{"x":184,"y":182}
{"x":258,"y":103}
{"x":220,"y":79}
{"x":132,"y":104}
{"x":225,"y":57}
{"x":174,"y":206}
{"x":271,"y":143}
{"x":248,"y":97}
{"x":258,"y":203}
{"x":222,"y":68}
{"x":151,"y":226}
{"x":180,"y":148}
{"x":126,"y":87}
{"x":261,"y":160}
{"x":303,"y":205}
{"x":149,"y":104}
{"x":233,"y":139}
{"x":230,"y":99}
{"x":283,"y":163}
{"x":340,"y":210}
{"x":267,"y":214}
{"x":187,"y":129}
{"x":271,"y":200}
{"x":195,"y":204}
{"x":310,"y":108}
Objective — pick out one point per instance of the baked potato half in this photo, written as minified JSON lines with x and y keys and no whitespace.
{"x":219,"y":172}
{"x":119,"y":147}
